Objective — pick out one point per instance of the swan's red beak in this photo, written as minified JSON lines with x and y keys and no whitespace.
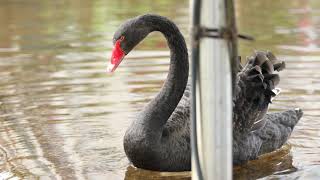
{"x":116,"y":57}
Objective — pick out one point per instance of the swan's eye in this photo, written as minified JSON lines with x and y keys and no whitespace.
{"x":121,"y":38}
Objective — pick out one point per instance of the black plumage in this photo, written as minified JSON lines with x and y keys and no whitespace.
{"x":159,"y":137}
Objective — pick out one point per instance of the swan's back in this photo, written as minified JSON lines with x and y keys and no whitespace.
{"x":254,"y":131}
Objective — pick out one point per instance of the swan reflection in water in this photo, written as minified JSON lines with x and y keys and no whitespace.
{"x":278,"y":162}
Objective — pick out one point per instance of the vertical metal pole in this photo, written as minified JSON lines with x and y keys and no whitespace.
{"x":195,"y":124}
{"x":233,"y":40}
{"x":213,"y":91}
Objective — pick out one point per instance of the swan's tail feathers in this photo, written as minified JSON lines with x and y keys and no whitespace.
{"x":276,"y":91}
{"x":256,"y":88}
{"x":265,"y":64}
{"x":278,"y":65}
{"x":277,"y":129}
{"x":240,"y":65}
{"x":299,"y":112}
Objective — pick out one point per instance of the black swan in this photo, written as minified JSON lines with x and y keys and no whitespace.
{"x":159,"y":137}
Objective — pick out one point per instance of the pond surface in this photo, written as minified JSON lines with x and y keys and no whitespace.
{"x":63,"y":117}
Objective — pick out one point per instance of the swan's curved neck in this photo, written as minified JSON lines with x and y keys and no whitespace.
{"x":158,"y":111}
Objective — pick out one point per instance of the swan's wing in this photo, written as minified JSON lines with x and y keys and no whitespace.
{"x":178,"y":125}
{"x":270,"y":137}
{"x":261,"y":120}
{"x":277,"y":129}
{"x":255,"y":89}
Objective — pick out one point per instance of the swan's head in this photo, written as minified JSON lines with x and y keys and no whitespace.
{"x":128,"y":35}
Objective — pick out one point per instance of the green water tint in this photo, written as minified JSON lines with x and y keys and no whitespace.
{"x":62,"y":116}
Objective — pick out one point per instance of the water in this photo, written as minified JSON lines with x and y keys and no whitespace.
{"x":63,"y":117}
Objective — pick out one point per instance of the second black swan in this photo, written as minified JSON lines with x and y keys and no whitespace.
{"x":159,"y":137}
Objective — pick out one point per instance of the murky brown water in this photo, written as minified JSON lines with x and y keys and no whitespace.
{"x":63,"y":117}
